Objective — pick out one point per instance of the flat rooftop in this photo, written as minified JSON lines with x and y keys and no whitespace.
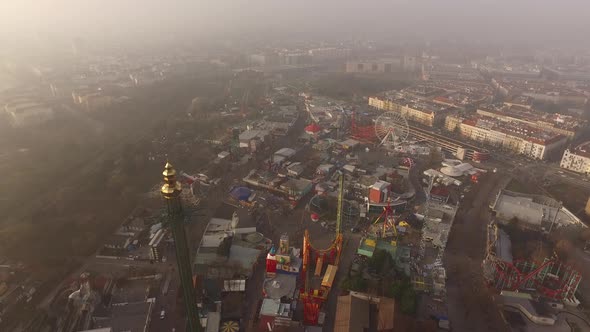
{"x":582,"y":150}
{"x":131,"y":291}
{"x":130,"y":317}
{"x":513,"y":128}
{"x":281,"y":285}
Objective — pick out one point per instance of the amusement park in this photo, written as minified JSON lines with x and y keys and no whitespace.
{"x":375,"y":228}
{"x":360,"y":230}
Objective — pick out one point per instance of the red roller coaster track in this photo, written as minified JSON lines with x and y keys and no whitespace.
{"x":552,"y":279}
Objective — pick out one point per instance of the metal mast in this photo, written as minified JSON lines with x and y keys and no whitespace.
{"x":171,"y":192}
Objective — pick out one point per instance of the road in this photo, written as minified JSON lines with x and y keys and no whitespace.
{"x":348,"y":252}
{"x":544,"y":170}
{"x":470,"y":305}
{"x":168,"y":303}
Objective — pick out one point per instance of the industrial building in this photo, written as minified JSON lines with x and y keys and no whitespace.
{"x":227,"y":252}
{"x":251,"y":138}
{"x":535,"y":210}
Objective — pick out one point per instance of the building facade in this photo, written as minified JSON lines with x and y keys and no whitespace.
{"x":28,"y":114}
{"x":489,"y":133}
{"x":328,"y":54}
{"x":422,"y":114}
{"x":577,"y":159}
{"x":570,"y":129}
{"x":375,"y":66}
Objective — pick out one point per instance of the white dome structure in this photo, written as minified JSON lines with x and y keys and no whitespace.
{"x":451,"y":171}
{"x":458,"y":170}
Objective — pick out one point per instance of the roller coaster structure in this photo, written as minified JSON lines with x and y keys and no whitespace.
{"x":314,"y":298}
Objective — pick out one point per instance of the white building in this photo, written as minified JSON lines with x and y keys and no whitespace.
{"x":28,"y":113}
{"x":535,"y":210}
{"x":248,"y":136}
{"x":577,"y":159}
{"x":328,"y":54}
{"x":518,"y":138}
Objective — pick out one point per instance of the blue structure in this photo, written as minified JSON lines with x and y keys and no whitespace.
{"x":240,"y":193}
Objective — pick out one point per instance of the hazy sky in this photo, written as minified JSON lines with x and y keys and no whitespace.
{"x":527,"y":20}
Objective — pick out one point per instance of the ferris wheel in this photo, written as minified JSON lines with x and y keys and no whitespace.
{"x":391,"y":128}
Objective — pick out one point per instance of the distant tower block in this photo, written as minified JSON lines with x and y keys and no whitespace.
{"x":284,"y":245}
{"x":587,"y":209}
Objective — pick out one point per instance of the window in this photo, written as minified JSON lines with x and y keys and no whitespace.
{"x":374,"y":67}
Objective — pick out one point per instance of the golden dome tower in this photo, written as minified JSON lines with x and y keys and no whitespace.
{"x":171,"y":190}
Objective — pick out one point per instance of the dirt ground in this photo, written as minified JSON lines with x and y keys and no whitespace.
{"x":573,"y":198}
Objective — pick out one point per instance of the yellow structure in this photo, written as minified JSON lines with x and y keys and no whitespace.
{"x":423,"y":113}
{"x":329,"y":276}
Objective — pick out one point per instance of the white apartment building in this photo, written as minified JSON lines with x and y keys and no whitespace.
{"x":28,"y":113}
{"x":577,"y":159}
{"x":512,"y":138}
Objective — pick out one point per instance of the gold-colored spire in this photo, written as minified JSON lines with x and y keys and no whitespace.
{"x":171,"y":187}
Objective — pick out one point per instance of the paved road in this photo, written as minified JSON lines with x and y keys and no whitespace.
{"x":167,"y":302}
{"x":351,"y":242}
{"x":470,"y":305}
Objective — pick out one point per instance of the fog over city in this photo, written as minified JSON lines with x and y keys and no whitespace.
{"x":533,"y":21}
{"x":294,"y":166}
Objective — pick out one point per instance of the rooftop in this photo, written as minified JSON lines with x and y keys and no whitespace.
{"x":538,"y":87}
{"x":534,"y":209}
{"x":352,"y":314}
{"x":130,"y":317}
{"x":422,"y":105}
{"x":131,"y":291}
{"x":582,"y":150}
{"x":523,"y":114}
{"x":360,"y":312}
{"x":281,"y":285}
{"x":514,"y":128}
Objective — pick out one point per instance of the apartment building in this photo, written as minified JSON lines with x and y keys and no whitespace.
{"x":425,"y":113}
{"x":511,"y":136}
{"x":577,"y":159}
{"x":565,"y":125}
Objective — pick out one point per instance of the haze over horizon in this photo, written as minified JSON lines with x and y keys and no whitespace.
{"x":528,"y":21}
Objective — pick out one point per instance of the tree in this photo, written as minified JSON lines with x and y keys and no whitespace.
{"x":409,"y":301}
{"x":564,"y":248}
{"x":355,"y":283}
{"x":585,"y":235}
{"x":380,"y":261}
{"x":395,"y":290}
{"x":402,"y":291}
